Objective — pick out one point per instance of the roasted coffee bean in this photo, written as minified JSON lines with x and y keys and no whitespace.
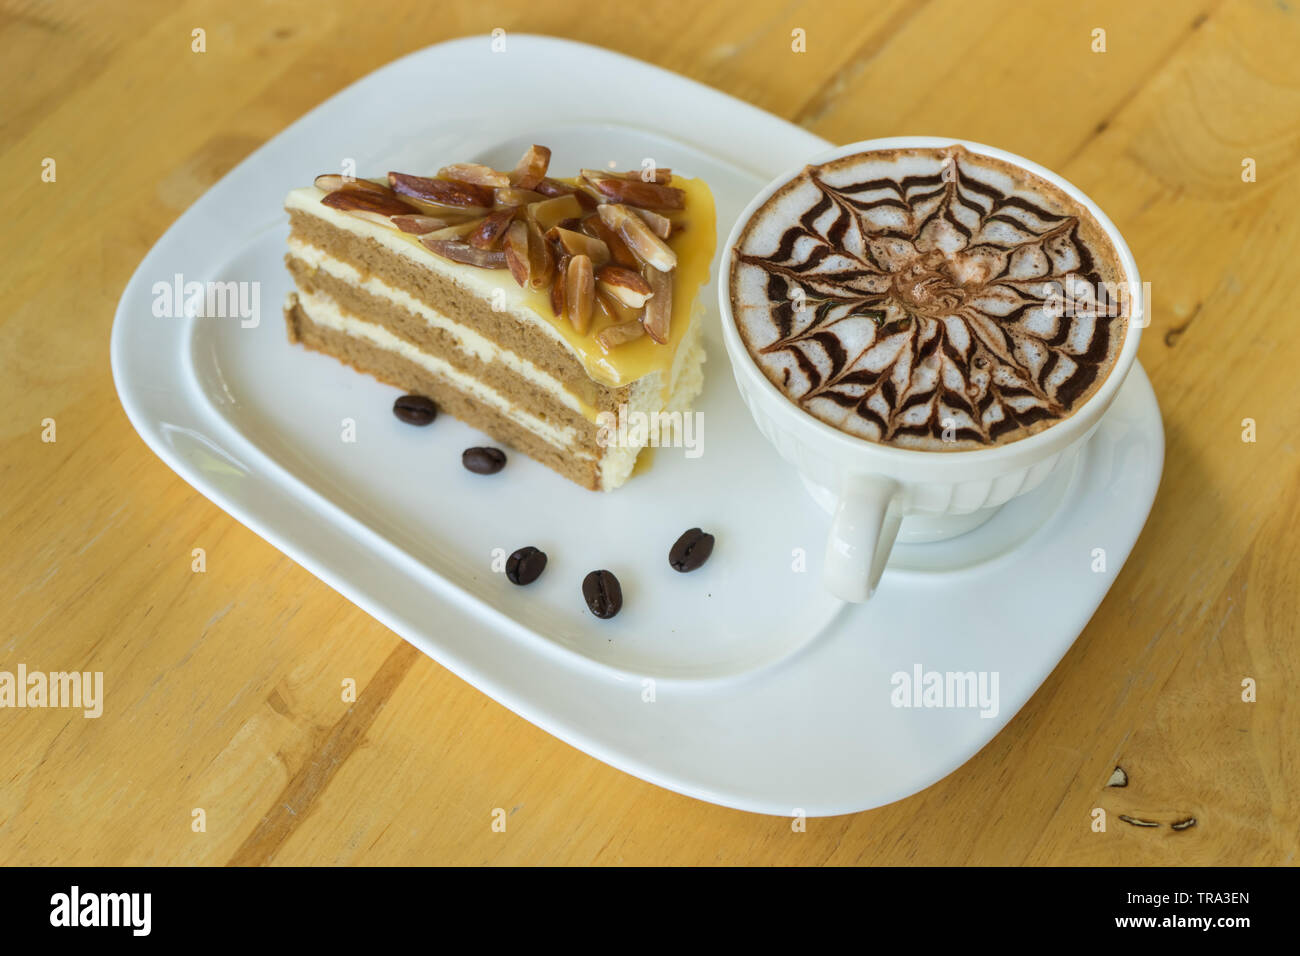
{"x":691,"y":550}
{"x":601,"y":591}
{"x":415,"y":409}
{"x":526,"y":565}
{"x":483,"y":461}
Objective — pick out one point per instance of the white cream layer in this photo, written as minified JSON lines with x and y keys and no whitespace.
{"x":615,"y":462}
{"x":484,"y":283}
{"x":467,"y":339}
{"x":324,"y":311}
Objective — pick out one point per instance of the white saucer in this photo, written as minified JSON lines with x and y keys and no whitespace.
{"x":768,"y":694}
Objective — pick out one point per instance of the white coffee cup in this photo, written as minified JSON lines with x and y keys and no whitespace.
{"x":874,"y":490}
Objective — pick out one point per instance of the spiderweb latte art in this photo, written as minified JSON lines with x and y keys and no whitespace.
{"x":929,"y":298}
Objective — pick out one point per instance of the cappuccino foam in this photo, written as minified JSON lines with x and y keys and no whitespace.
{"x":934,"y":299}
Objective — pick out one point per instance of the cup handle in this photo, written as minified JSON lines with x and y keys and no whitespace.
{"x":862,"y":535}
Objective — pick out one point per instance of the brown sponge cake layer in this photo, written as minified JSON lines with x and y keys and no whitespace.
{"x":394,"y":369}
{"x":433,"y":340}
{"x":447,"y":297}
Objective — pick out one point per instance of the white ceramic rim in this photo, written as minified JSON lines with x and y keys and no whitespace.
{"x":1045,"y":441}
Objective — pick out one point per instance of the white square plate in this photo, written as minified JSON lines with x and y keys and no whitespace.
{"x":767,"y":694}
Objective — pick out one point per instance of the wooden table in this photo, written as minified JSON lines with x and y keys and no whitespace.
{"x":224,"y":686}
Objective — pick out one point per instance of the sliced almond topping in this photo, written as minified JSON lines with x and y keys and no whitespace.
{"x":441,"y":191}
{"x":541,"y":264}
{"x":528,"y":256}
{"x":515,"y":247}
{"x":374,"y":207}
{"x":616,"y":310}
{"x":457,"y":230}
{"x":450,"y":213}
{"x":608,"y":307}
{"x":662,"y":175}
{"x":557,"y":287}
{"x":595,"y":227}
{"x":579,"y":293}
{"x":624,"y":285}
{"x":586,"y":242}
{"x":511,"y":196}
{"x":659,"y":309}
{"x":474,"y":173}
{"x":490,"y":231}
{"x":531,"y":168}
{"x":589,"y":195}
{"x":557,"y":251}
{"x":333,"y":181}
{"x":612,"y":336}
{"x":647,"y":247}
{"x":553,"y":187}
{"x":458,"y":251}
{"x":419,"y":225}
{"x":661,"y":226}
{"x":633,"y":192}
{"x":550,"y":212}
{"x":580,"y":244}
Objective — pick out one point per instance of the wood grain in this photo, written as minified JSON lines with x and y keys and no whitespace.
{"x":226,"y":684}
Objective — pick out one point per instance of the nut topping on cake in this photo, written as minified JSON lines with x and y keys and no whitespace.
{"x":444,"y":192}
{"x":552,"y":212}
{"x":645,"y":245}
{"x":490,"y":231}
{"x":625,"y":285}
{"x":532,"y":167}
{"x":597,"y":246}
{"x":463,"y":252}
{"x":661,"y":226}
{"x":456,"y":230}
{"x":660,"y":174}
{"x":595,"y":227}
{"x":553,"y":187}
{"x":475,"y":174}
{"x":528,"y":257}
{"x":579,"y":293}
{"x":510,"y":196}
{"x":659,"y":309}
{"x":613,"y":336}
{"x":634,"y":192}
{"x":579,"y":244}
{"x":419,"y":225}
{"x":541,"y":262}
{"x":371,"y":206}
{"x":330,"y":182}
{"x":557,"y":287}
{"x":516,"y":250}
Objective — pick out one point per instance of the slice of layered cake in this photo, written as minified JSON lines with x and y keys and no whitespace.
{"x":537,"y":309}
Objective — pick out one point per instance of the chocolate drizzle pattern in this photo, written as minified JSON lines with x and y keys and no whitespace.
{"x":943,"y":307}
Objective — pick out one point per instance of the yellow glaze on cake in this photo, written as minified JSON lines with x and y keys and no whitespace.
{"x":694,"y":245}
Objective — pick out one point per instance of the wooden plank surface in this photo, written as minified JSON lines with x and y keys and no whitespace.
{"x":225,"y":685}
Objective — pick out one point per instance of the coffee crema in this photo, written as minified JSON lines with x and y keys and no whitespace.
{"x":934,"y":299}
